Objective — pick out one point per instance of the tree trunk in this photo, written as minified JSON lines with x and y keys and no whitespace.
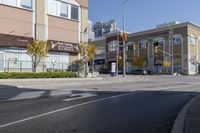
{"x":34,"y":66}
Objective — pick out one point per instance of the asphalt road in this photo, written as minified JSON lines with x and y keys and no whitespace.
{"x":103,"y":112}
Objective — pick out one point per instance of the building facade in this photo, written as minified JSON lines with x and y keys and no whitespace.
{"x":156,"y":46}
{"x":62,"y":23}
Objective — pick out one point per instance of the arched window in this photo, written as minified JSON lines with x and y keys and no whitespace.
{"x":159,"y":41}
{"x":178,"y":40}
{"x":143,"y":44}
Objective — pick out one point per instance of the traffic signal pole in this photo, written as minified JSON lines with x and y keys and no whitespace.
{"x":124,"y":40}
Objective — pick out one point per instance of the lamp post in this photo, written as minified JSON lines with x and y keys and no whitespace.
{"x":171,"y":34}
{"x":124,"y":48}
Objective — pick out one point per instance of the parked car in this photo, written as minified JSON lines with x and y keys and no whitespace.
{"x":73,"y":68}
{"x":140,"y":72}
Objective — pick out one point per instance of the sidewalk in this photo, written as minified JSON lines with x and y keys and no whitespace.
{"x":188,"y":120}
{"x":192,"y":121}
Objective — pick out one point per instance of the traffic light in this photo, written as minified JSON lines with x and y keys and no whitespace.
{"x":156,"y":49}
{"x":124,"y":36}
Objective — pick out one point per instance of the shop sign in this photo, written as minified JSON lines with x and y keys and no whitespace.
{"x":64,"y":46}
{"x":14,"y":41}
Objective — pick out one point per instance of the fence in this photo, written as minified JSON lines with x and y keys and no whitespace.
{"x":26,"y":66}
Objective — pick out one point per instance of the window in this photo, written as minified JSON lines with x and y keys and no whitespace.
{"x":143,"y":45}
{"x":177,"y":41}
{"x":74,"y":12}
{"x":0,"y":1}
{"x":63,"y":9}
{"x":100,"y":50}
{"x":112,"y":46}
{"x":60,"y":9}
{"x":158,"y":44}
{"x":52,"y":7}
{"x":26,"y":4}
{"x":10,"y":2}
{"x":192,"y":40}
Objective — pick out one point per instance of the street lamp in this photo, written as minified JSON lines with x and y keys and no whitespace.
{"x":124,"y":48}
{"x":171,"y":34}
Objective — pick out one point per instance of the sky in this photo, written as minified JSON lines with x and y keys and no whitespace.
{"x":144,"y":14}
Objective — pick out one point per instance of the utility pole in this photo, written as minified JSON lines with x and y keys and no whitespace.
{"x":171,"y":36}
{"x":124,"y":37}
{"x":117,"y":58}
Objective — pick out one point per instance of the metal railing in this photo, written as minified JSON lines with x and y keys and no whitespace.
{"x":26,"y":66}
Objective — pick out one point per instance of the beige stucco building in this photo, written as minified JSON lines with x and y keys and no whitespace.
{"x":185,"y":55}
{"x":63,"y":23}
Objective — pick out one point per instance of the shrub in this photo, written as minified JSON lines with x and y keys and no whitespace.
{"x":28,"y":75}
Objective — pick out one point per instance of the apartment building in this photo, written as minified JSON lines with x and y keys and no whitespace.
{"x":63,"y":23}
{"x":101,"y":29}
{"x":184,"y":49}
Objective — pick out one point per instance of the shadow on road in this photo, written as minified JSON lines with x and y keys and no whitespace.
{"x":9,"y":92}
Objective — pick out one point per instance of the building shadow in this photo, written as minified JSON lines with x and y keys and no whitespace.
{"x":9,"y":92}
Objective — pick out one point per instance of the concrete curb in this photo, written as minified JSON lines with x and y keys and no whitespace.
{"x":179,"y":123}
{"x":50,"y":79}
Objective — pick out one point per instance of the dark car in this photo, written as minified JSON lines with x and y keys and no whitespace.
{"x":73,"y":68}
{"x":103,"y":71}
{"x":139,"y":72}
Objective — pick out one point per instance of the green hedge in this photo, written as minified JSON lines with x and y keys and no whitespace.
{"x":28,"y":75}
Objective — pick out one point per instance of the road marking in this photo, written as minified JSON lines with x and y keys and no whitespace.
{"x":79,"y":96}
{"x":63,"y":109}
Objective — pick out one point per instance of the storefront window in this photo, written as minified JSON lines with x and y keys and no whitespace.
{"x":10,"y":2}
{"x":26,"y":3}
{"x":74,"y":12}
{"x":56,"y":60}
{"x":63,"y":9}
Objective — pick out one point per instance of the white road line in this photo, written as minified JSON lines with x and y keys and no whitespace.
{"x":81,"y":96}
{"x":67,"y":108}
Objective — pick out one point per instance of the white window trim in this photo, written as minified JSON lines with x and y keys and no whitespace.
{"x":69,"y":11}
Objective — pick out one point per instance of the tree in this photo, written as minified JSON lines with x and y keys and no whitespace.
{"x":138,"y":62}
{"x":37,"y":50}
{"x":87,"y":51}
{"x":78,"y":66}
{"x":166,"y":64}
